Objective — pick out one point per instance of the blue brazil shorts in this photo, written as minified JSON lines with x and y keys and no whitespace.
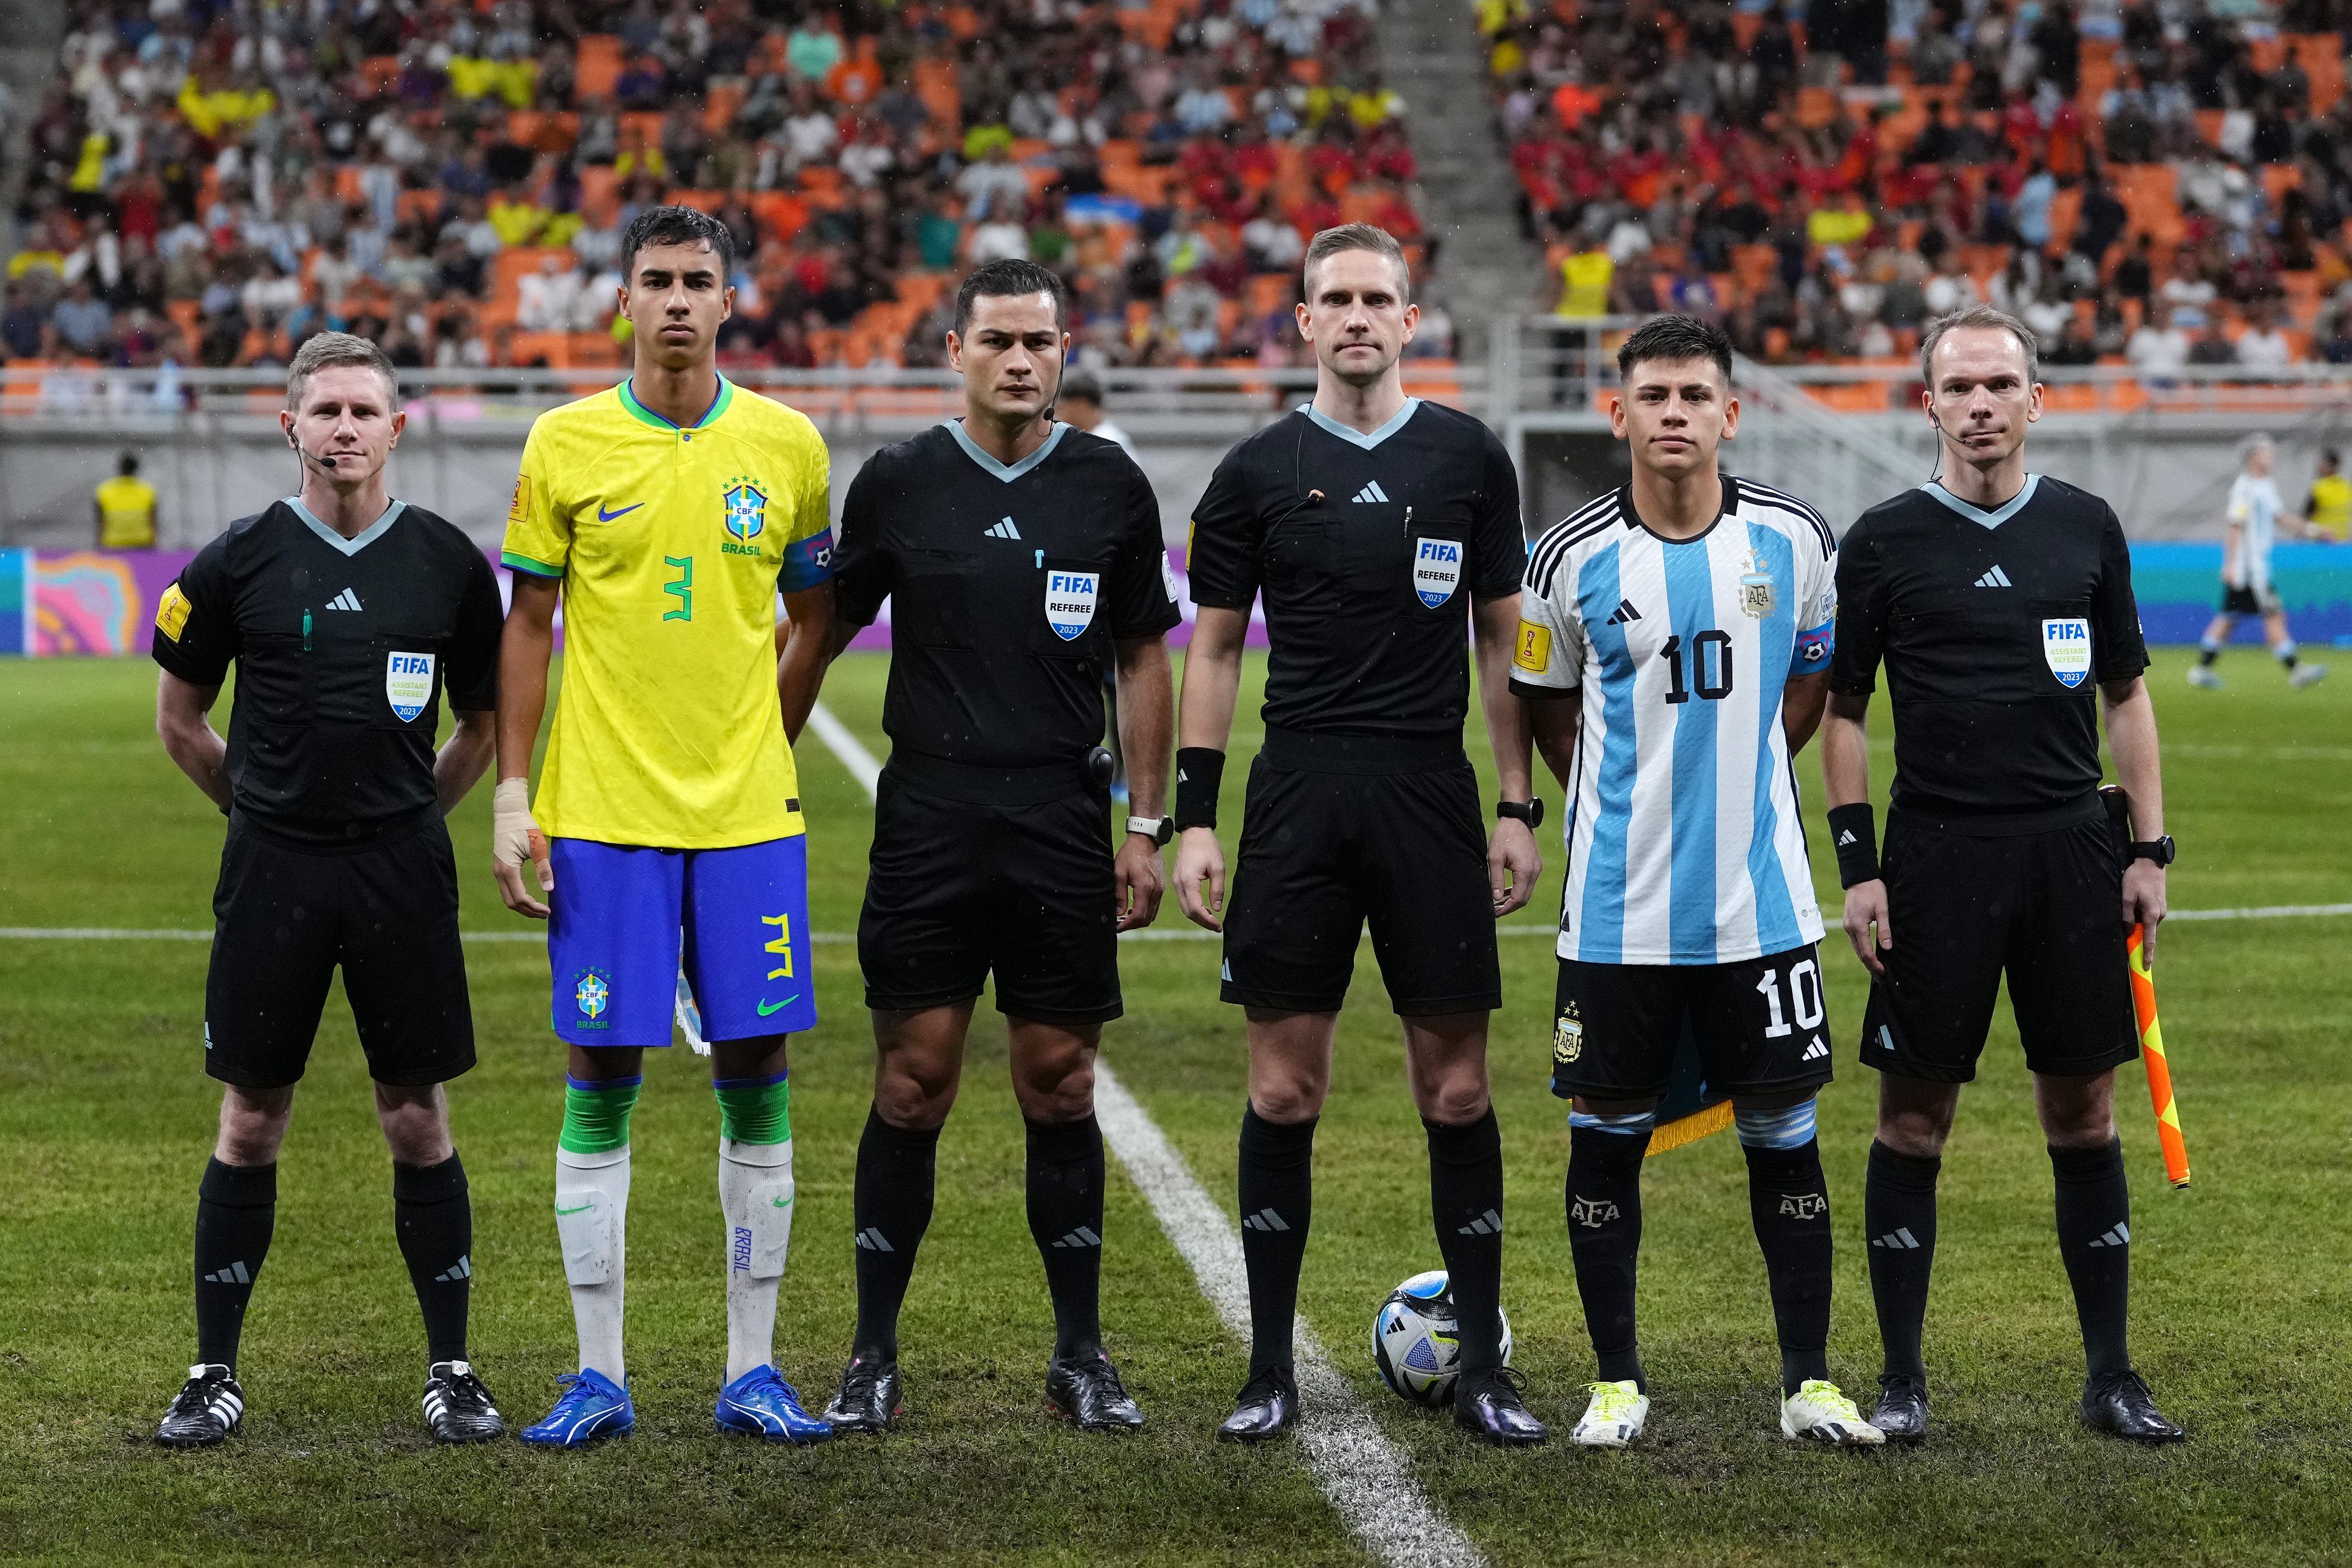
{"x":613,"y":940}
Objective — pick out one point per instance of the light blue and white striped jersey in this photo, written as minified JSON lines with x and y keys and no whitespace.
{"x":1683,"y":844}
{"x":2254,"y":503}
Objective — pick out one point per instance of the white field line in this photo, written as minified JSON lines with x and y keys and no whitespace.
{"x":1169,"y":933}
{"x":1367,"y":1478}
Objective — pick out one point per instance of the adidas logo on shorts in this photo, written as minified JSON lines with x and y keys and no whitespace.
{"x":1814,"y":1051}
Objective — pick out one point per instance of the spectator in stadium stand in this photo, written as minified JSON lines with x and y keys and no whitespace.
{"x":2261,"y":346}
{"x":125,"y":506}
{"x":83,"y":321}
{"x":2159,"y":347}
{"x":2214,"y":346}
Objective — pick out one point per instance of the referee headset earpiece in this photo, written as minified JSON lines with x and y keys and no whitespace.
{"x":1298,"y":477}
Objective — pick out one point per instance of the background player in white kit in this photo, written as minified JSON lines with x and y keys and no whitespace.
{"x":1692,"y":614}
{"x":2246,"y":585}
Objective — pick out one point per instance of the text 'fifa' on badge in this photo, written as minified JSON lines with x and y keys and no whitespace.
{"x":1436,"y":570}
{"x":1756,"y":599}
{"x":408,"y":683}
{"x":2066,"y":650}
{"x":1070,"y":602}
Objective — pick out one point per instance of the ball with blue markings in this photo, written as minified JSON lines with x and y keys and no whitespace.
{"x":1416,"y":1339}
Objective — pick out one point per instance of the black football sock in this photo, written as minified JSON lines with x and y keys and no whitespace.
{"x":433,"y":1219}
{"x":2210,"y":652}
{"x":1604,"y":1238}
{"x":1898,"y":1212}
{"x":237,"y":1208}
{"x":891,"y":1208}
{"x":1278,"y":1197}
{"x":2095,"y":1238}
{"x":1466,"y":1195}
{"x":1065,"y":1217}
{"x":1789,"y":1203}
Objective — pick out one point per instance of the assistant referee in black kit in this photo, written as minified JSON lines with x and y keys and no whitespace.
{"x":351,"y":618}
{"x":1378,"y":529}
{"x":1021,"y":557}
{"x":1999,"y":601}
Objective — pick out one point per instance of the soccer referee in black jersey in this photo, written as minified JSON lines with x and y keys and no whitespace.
{"x":2000,"y":602}
{"x":1021,"y":557}
{"x":351,"y":618}
{"x":1378,"y":529}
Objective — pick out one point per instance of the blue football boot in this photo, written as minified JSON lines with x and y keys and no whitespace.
{"x":761,"y":1404}
{"x":593,"y":1406}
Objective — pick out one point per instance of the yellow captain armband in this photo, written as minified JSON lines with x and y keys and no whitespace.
{"x":172,"y":612}
{"x":1534,"y":651}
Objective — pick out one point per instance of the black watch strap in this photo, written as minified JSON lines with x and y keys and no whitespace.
{"x":1527,"y":811}
{"x":2161,"y":850}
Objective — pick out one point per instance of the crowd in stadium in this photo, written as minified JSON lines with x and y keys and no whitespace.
{"x":2158,"y":182}
{"x":214,"y":181}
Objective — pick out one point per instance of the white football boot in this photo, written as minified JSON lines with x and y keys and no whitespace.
{"x":1615,"y":1417}
{"x":1818,"y":1413}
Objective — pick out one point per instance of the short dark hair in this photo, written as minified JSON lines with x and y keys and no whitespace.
{"x":1330,"y":242}
{"x":128,"y":464}
{"x":678,"y":225}
{"x":1010,"y":275}
{"x":2331,"y":457}
{"x":1674,"y":337}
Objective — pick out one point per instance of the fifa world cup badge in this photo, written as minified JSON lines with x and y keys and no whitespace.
{"x":1755,"y":590}
{"x":1567,"y":1039}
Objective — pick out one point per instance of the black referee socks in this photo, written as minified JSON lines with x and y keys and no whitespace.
{"x":433,"y":1219}
{"x":237,"y":1208}
{"x":2095,"y":1238}
{"x":1789,"y":1204}
{"x":1277,"y":1195}
{"x":1465,"y":1195}
{"x":1065,"y":1217}
{"x":1898,"y":1212}
{"x":1604,"y":1237}
{"x":892,"y":1208}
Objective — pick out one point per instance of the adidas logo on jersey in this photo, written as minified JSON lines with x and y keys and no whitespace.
{"x":1624,"y":612}
{"x":1488,"y":1224}
{"x":1003,"y":530}
{"x":1372,"y":492}
{"x":346,"y":600}
{"x":1081,"y":1238}
{"x":234,"y":1274}
{"x":1814,"y":1051}
{"x":2118,"y":1235}
{"x":1996,"y":578}
{"x":1898,"y":1240}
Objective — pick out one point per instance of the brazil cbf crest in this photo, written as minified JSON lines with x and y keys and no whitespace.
{"x":747,"y":509}
{"x":1436,"y":570}
{"x":2066,"y":650}
{"x":1070,"y":602}
{"x":408,"y":683}
{"x":591,"y":992}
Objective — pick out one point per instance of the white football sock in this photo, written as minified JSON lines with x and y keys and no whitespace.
{"x":755,"y":1194}
{"x":591,"y":1220}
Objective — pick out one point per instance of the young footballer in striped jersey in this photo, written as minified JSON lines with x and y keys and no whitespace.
{"x":1674,"y":639}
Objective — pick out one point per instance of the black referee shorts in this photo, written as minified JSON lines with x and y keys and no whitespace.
{"x":1339,"y":834}
{"x":284,"y":917}
{"x":958,"y":889}
{"x":2041,"y":908}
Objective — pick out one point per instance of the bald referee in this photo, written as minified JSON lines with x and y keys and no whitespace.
{"x":1384,"y":534}
{"x":1999,"y":601}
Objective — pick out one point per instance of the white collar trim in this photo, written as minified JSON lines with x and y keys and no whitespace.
{"x":1355,"y":437}
{"x":372,"y":532}
{"x":1978,"y":514}
{"x":1008,"y":472}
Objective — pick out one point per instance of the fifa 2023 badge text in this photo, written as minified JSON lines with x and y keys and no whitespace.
{"x":408,"y":683}
{"x":1070,"y":602}
{"x":1436,"y":570}
{"x":2066,"y":650}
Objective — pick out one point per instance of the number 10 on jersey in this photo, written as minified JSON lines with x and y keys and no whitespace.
{"x":1710,"y":667}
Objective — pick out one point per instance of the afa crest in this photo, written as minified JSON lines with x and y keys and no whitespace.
{"x":747,"y":509}
{"x":1567,"y":1039}
{"x":1755,"y":600}
{"x":593,"y":995}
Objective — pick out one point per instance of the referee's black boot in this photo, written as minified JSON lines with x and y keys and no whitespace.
{"x":2120,"y":1405}
{"x":870,"y":1397}
{"x":205,"y":1411}
{"x":1087,"y":1389}
{"x":1487,"y":1405}
{"x":1902,"y":1411}
{"x":1267,"y":1408}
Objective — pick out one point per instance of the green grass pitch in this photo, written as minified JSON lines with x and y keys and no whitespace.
{"x":105,"y":1118}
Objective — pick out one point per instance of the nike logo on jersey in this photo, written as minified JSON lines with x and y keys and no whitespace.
{"x":1003,"y":530}
{"x":346,"y":600}
{"x":765,"y":1009}
{"x":1996,"y":578}
{"x":1625,"y":613}
{"x":1371,"y":492}
{"x":603,"y":516}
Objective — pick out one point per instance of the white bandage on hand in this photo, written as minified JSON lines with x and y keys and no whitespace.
{"x":514,"y":838}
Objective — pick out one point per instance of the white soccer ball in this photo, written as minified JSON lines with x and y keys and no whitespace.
{"x":1416,"y":1339}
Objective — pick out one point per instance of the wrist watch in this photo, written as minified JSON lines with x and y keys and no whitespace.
{"x":1159,"y":829}
{"x":1527,"y":811}
{"x":2161,"y":850}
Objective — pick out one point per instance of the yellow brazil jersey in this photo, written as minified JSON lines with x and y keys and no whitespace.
{"x":2331,"y":505}
{"x":126,"y":514}
{"x":672,"y":543}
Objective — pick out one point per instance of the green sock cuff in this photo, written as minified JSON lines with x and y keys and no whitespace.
{"x":755,"y":1109}
{"x":596,"y":1115}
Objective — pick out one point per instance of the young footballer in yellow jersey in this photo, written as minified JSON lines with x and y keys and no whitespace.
{"x":668,"y":513}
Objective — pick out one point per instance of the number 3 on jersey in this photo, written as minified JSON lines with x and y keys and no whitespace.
{"x":683,"y":587}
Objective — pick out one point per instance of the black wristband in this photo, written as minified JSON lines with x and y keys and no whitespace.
{"x":1854,"y":833}
{"x":1200,"y":774}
